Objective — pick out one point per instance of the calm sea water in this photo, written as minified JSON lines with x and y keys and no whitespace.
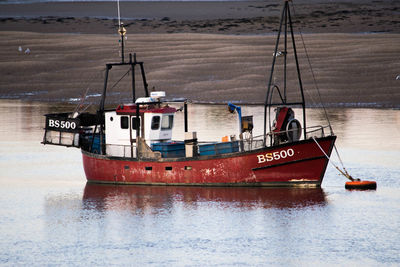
{"x":50,"y":216}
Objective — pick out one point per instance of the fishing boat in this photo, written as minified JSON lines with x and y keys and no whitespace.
{"x":132,"y":143}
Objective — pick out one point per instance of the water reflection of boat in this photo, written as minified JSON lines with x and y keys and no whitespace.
{"x":153,"y":198}
{"x":133,"y":144}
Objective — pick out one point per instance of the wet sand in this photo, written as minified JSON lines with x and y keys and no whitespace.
{"x":350,"y":68}
{"x":230,"y":60}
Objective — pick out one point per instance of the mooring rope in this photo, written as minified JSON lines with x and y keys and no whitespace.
{"x":344,"y":171}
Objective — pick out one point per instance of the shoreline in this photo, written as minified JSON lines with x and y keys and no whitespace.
{"x":93,"y":105}
{"x":220,"y":17}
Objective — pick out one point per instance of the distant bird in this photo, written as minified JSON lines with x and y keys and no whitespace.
{"x":398,"y":77}
{"x":27,"y":51}
{"x":20,"y":49}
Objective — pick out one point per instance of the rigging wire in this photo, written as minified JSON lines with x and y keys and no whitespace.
{"x":84,"y":95}
{"x":120,"y":79}
{"x":82,"y":100}
{"x":344,"y":172}
{"x":312,"y":72}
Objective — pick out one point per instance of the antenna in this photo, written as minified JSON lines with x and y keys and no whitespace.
{"x":119,"y":15}
{"x":122,"y":32}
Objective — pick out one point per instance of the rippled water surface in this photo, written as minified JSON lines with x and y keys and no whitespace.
{"x":50,"y":216}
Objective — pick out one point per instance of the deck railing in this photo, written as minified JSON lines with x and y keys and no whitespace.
{"x":217,"y":148}
{"x":121,"y":151}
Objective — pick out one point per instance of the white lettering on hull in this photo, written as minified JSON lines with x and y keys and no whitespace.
{"x":277,"y":155}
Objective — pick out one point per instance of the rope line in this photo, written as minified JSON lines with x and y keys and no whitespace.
{"x":344,"y":172}
{"x":83,"y":97}
{"x":120,"y":79}
{"x":312,"y":72}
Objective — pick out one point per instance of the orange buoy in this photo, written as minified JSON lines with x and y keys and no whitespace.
{"x":362,"y":185}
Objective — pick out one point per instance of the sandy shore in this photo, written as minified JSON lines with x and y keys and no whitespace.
{"x":230,"y":60}
{"x":359,"y":69}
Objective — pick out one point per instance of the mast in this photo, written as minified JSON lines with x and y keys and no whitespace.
{"x":298,"y":75}
{"x":132,"y":63}
{"x":122,"y":32}
{"x":271,"y":75}
{"x":287,"y":21}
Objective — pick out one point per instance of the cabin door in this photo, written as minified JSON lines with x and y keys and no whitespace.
{"x":134,"y":130}
{"x":133,"y":127}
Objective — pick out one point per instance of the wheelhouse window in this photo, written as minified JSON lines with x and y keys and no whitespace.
{"x":155,"y":123}
{"x":124,"y":122}
{"x":167,"y":122}
{"x":134,"y":123}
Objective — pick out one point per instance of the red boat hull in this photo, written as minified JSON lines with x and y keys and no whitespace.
{"x":299,"y":163}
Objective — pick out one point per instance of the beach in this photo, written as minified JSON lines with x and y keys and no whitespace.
{"x":209,"y":52}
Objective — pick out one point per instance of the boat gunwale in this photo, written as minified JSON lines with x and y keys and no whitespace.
{"x":208,"y":157}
